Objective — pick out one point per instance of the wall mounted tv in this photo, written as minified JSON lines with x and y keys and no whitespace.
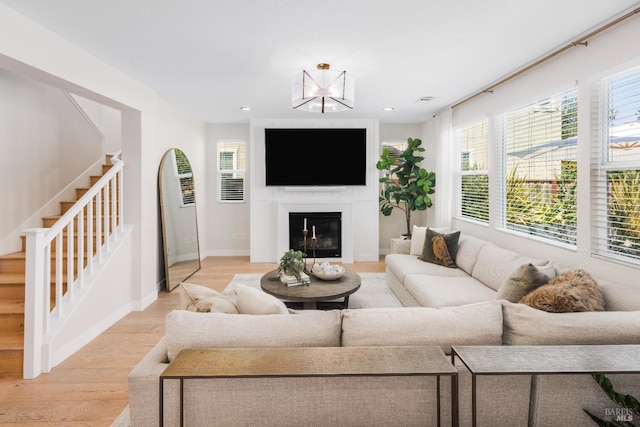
{"x":315,"y":157}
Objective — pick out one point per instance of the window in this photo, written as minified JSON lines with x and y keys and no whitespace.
{"x":473,"y":185}
{"x":231,"y":171}
{"x":539,"y":172}
{"x":615,"y":173}
{"x":185,"y":176}
{"x":396,"y":148}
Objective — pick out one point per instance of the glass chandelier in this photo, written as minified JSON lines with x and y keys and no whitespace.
{"x":323,"y":90}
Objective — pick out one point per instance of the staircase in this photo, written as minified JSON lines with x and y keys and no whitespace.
{"x":12,"y":286}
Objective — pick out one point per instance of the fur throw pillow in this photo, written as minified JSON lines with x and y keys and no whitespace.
{"x":572,"y":291}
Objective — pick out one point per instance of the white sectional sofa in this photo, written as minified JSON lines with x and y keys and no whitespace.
{"x":481,"y":268}
{"x":444,"y":307}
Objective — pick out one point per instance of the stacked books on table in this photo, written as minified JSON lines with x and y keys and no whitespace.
{"x":292,"y":281}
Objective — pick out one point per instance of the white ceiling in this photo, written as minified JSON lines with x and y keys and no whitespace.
{"x":210,"y":57}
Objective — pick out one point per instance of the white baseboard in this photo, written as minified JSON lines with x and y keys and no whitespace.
{"x":227,"y":252}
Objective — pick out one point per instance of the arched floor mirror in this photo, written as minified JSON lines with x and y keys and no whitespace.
{"x":178,"y":218}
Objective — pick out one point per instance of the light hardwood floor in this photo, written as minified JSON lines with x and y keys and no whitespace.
{"x":90,"y":387}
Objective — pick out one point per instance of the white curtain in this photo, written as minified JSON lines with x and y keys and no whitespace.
{"x":443,"y":197}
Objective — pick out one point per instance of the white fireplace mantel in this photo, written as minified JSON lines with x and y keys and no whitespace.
{"x":270,"y":206}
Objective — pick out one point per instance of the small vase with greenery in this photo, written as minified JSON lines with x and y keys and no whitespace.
{"x":406,"y":185}
{"x":292,"y":263}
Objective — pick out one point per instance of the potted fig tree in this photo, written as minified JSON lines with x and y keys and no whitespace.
{"x":405,"y":185}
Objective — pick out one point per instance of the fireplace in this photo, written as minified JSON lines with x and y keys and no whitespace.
{"x":328,"y":228}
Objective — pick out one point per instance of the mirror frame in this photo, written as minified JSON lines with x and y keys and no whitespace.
{"x":173,"y":280}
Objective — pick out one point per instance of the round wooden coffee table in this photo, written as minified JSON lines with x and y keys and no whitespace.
{"x":317,"y":291}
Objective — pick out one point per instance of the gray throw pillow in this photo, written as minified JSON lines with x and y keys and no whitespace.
{"x":523,"y":280}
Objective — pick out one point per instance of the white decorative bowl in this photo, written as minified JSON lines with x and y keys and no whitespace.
{"x":329,"y":276}
{"x":326,"y":271}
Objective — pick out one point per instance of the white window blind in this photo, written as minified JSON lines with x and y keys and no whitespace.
{"x":473,"y":185}
{"x":540,"y":169}
{"x":615,"y":169}
{"x":231,"y":171}
{"x":185,"y":176}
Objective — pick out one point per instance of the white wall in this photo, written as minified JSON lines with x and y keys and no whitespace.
{"x":149,"y":127}
{"x":611,"y":51}
{"x":226,"y":220}
{"x":46,"y":144}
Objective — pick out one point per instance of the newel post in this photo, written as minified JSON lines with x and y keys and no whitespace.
{"x":34,"y":302}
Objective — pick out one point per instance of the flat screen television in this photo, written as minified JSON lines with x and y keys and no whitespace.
{"x":315,"y":157}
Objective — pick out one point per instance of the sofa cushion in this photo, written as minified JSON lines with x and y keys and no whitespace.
{"x":204,"y":300}
{"x":432,"y":291}
{"x":474,"y":324}
{"x":524,"y":325}
{"x":572,"y":291}
{"x":469,"y":248}
{"x":255,"y":301}
{"x":402,"y":265}
{"x":186,"y":329}
{"x":495,"y":264}
{"x":430,"y":252}
{"x":618,"y":296}
{"x":520,"y":282}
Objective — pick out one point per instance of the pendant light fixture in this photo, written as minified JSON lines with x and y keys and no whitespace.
{"x":323,"y":90}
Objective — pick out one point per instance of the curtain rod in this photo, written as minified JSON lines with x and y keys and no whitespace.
{"x":582,"y":41}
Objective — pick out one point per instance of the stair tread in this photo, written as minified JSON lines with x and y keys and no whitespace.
{"x":13,"y":256}
{"x":12,"y":341}
{"x":12,"y":279}
{"x":24,"y":256}
{"x":12,"y":306}
{"x":19,"y":278}
{"x":56,"y":217}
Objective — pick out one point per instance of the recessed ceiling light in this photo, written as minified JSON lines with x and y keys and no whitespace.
{"x":388,"y":108}
{"x":245,"y":108}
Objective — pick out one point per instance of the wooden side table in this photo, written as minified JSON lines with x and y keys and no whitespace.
{"x":311,"y":362}
{"x":545,"y":360}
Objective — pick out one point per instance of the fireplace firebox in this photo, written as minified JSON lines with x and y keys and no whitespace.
{"x":328,"y":227}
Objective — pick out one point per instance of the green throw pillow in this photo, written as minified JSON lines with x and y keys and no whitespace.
{"x":451,"y":240}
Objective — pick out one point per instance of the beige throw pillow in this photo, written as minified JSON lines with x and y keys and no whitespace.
{"x":255,"y":301}
{"x":204,"y":300}
{"x":417,"y":240}
{"x":523,"y":280}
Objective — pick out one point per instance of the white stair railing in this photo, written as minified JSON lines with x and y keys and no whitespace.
{"x":89,"y":226}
